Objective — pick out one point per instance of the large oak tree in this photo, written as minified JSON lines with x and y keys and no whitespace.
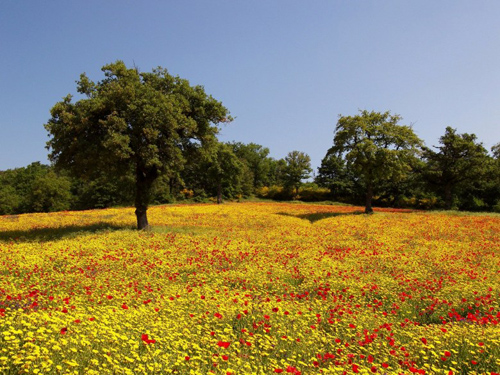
{"x":132,"y":123}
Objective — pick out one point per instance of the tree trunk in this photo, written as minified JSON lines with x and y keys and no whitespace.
{"x":143,"y":183}
{"x":369,"y":197}
{"x":448,"y":197}
{"x":219,"y":193}
{"x":142,"y":218}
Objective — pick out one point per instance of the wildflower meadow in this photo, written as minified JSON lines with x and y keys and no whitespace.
{"x":250,"y":288}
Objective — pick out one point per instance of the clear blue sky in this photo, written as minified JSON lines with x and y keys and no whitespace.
{"x":285,"y":68}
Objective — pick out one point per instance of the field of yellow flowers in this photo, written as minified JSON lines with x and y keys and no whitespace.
{"x":250,"y":288}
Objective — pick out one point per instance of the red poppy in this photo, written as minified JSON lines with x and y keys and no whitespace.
{"x":145,"y":338}
{"x":293,"y":370}
{"x":64,"y":330}
{"x":223,"y":344}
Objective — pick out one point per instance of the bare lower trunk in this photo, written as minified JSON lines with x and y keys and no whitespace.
{"x":142,"y":219}
{"x":369,"y":197}
{"x":144,"y":181}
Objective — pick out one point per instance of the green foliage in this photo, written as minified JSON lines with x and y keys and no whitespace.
{"x":311,"y":193}
{"x":496,"y":207}
{"x":277,"y":172}
{"x":307,"y":193}
{"x":132,"y":124}
{"x":225,"y":171}
{"x":9,"y":200}
{"x":35,"y":188}
{"x":102,"y":192}
{"x":50,"y":193}
{"x":297,"y":168}
{"x":459,"y":161}
{"x":257,"y":161}
{"x":217,"y":173}
{"x":23,"y":183}
{"x":273,"y":192}
{"x":334,"y":175}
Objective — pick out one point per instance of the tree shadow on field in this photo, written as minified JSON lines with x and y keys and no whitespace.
{"x":53,"y":234}
{"x":316,"y":216}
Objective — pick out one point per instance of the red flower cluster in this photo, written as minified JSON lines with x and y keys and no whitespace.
{"x":145,"y":338}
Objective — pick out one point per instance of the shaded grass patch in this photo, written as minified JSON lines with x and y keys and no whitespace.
{"x":57,"y":233}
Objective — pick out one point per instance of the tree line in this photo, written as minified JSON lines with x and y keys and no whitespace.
{"x":145,"y":138}
{"x":229,"y":171}
{"x":457,"y":174}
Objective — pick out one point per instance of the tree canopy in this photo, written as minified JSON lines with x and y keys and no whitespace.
{"x":132,"y":123}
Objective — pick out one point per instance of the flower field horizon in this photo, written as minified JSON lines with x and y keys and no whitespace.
{"x":250,"y":288}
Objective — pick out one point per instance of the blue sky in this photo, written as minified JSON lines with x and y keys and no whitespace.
{"x":285,"y":68}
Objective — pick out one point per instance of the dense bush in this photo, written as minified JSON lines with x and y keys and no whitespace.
{"x":35,"y":188}
{"x":306,"y":193}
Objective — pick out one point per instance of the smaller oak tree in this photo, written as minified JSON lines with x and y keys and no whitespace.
{"x":297,"y":168}
{"x":376,"y":148}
